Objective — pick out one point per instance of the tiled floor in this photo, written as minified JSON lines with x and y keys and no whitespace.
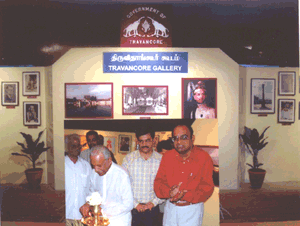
{"x":273,"y":202}
{"x":22,"y":204}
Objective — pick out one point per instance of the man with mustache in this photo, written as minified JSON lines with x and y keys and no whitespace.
{"x":185,"y":178}
{"x":93,"y":139}
{"x":142,"y":166}
{"x":77,"y":178}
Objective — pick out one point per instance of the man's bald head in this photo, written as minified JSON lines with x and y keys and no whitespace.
{"x":101,"y":159}
{"x":100,"y":149}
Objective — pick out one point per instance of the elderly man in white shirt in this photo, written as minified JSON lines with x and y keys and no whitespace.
{"x":113,"y":184}
{"x":77,"y":179}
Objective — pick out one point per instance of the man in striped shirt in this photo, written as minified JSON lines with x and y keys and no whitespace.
{"x":142,"y":166}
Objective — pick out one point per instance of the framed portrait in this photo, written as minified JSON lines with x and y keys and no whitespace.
{"x":199,"y":98}
{"x":31,"y":83}
{"x":89,"y":100}
{"x":286,"y":110}
{"x":125,"y":142}
{"x":10,"y":93}
{"x":145,"y":100}
{"x":286,"y":83}
{"x":262,"y":96}
{"x":32,"y":113}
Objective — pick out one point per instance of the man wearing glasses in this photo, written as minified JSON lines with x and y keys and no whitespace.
{"x":185,"y":179}
{"x":142,"y":166}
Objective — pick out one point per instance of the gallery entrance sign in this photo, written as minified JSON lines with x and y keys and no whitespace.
{"x":145,"y":62}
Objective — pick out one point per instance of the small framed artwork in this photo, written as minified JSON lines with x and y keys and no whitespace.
{"x":125,"y":143}
{"x":10,"y":93}
{"x":31,"y":83}
{"x":286,"y":110}
{"x":89,"y":100}
{"x":286,"y":83}
{"x":145,"y":100}
{"x":262,"y":96}
{"x":32,"y":113}
{"x":109,"y":142}
{"x":199,"y":98}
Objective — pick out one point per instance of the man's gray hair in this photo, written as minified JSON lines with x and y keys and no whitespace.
{"x":100,"y":149}
{"x":72,"y":137}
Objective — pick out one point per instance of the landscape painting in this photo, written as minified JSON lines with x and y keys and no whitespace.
{"x":89,"y":100}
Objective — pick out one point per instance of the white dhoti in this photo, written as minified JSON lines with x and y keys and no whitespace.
{"x":191,"y":215}
{"x":123,"y":220}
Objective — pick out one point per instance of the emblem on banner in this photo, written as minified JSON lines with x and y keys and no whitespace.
{"x":148,"y":26}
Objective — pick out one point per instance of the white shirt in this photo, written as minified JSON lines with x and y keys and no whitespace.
{"x":77,"y":185}
{"x":117,"y":194}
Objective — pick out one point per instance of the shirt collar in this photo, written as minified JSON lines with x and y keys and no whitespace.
{"x":139,"y":155}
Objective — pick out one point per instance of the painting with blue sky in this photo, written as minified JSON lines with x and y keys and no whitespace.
{"x":89,"y":100}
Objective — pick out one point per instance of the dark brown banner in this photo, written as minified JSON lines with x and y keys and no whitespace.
{"x":146,"y":26}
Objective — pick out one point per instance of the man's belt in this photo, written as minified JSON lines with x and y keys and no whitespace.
{"x":182,"y":203}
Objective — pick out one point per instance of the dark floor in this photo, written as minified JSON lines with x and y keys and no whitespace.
{"x":20,"y":203}
{"x":270,"y":203}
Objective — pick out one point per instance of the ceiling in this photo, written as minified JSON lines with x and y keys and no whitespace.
{"x":269,"y":26}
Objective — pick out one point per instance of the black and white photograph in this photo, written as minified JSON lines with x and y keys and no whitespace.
{"x":125,"y":143}
{"x":262,"y":96}
{"x":286,"y":110}
{"x":286,"y":83}
{"x":89,"y":100}
{"x":32,"y":113}
{"x":31,"y":83}
{"x":145,"y":100}
{"x":199,"y":98}
{"x":10,"y":93}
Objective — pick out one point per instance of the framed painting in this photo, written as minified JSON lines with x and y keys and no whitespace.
{"x":125,"y":142}
{"x":262,"y":96}
{"x":199,"y":98}
{"x":286,"y":83}
{"x":286,"y":110}
{"x":31,"y":83}
{"x":10,"y":93}
{"x":109,"y":142}
{"x":89,"y":100}
{"x":32,"y":113}
{"x":145,"y":100}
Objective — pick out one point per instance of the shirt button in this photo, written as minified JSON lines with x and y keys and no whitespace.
{"x":182,"y":172}
{"x":183,"y":162}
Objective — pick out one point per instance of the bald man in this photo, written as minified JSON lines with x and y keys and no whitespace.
{"x":113,"y":184}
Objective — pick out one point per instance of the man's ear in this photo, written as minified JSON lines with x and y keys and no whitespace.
{"x":193,"y":138}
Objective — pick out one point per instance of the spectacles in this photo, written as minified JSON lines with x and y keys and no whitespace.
{"x":182,"y":137}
